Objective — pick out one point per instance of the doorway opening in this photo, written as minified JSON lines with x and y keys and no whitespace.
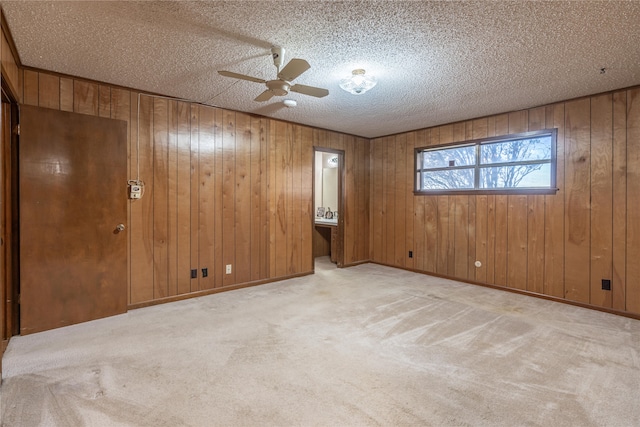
{"x":328,"y":206}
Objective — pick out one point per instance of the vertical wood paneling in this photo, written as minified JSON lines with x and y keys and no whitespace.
{"x":242,"y":198}
{"x":601,"y":198}
{"x":263,"y":181}
{"x":306,"y":176}
{"x":364,"y":200}
{"x":160,"y":198}
{"x":183,"y":199}
{"x":409,"y":200}
{"x":619,"y":249}
{"x":442,"y":262}
{"x":400,"y":190}
{"x":49,"y":91}
{"x":289,"y":199}
{"x":390,"y":208}
{"x":633,"y":201}
{"x":194,"y":211}
{"x":215,"y":213}
{"x":294,"y":207}
{"x":501,"y":232}
{"x":280,"y":197}
{"x":228,"y":195}
{"x":461,"y":239}
{"x":491,"y":238}
{"x":265,"y":166}
{"x":554,"y":213}
{"x":377,"y":217}
{"x":577,"y":213}
{"x":273,"y":200}
{"x":172,"y":199}
{"x":85,"y":97}
{"x":481,"y":238}
{"x":207,"y":199}
{"x":209,"y":205}
{"x":350,"y":203}
{"x":141,"y":226}
{"x":535,"y":244}
{"x":419,"y":220}
{"x":30,"y":88}
{"x":383,"y":203}
{"x":104,"y":101}
{"x":257,"y":207}
{"x":66,"y":95}
{"x":517,"y":242}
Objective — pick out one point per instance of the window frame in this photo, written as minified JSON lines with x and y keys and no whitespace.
{"x":477,"y":143}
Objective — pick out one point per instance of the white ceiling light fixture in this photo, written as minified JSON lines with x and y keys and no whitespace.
{"x":358,"y":83}
{"x":290,"y":103}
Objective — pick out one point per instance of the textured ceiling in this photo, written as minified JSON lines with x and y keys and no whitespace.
{"x":436,"y":62}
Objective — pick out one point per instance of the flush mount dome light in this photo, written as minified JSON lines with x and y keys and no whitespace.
{"x":358,"y":83}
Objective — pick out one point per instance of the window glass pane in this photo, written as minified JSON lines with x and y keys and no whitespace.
{"x":521,"y":150}
{"x":447,"y":179}
{"x":449,"y":157}
{"x":519,"y":176}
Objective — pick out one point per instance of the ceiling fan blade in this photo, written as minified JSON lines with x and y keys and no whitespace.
{"x":293,"y":69}
{"x":241,"y":76}
{"x":310,"y":90}
{"x":264,"y":96}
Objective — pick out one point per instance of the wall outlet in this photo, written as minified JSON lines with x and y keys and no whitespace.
{"x":228,"y":269}
{"x":205,"y":272}
{"x":606,"y":284}
{"x":194,"y":273}
{"x":410,"y":254}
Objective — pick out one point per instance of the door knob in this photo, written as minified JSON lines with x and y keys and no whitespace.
{"x":120,"y":227}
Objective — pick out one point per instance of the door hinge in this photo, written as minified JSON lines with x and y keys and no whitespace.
{"x":18,"y":129}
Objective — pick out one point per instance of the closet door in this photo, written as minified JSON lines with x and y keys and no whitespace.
{"x":73,"y":218}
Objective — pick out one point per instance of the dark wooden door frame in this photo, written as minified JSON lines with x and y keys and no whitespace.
{"x":9,"y":289}
{"x":341,"y":204}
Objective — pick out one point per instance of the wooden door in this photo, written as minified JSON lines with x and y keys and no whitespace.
{"x":73,"y":195}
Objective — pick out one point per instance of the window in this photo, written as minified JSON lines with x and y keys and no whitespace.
{"x":519,"y":163}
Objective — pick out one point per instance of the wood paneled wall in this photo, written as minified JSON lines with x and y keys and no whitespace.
{"x":10,"y":70}
{"x":560,"y":245}
{"x":221,"y":187}
{"x":230,"y":188}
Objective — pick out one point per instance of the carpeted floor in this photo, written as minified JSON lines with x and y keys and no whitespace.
{"x":367,"y":345}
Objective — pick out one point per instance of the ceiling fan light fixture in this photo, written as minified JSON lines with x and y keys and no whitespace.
{"x":290,"y":103}
{"x":358,"y":83}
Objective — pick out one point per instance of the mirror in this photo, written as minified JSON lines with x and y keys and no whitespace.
{"x":326,"y":188}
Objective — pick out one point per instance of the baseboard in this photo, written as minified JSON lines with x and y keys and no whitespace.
{"x":519,"y":291}
{"x":215,"y":290}
{"x":353,"y":264}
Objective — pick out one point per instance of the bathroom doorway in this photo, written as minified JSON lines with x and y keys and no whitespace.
{"x":328,"y":206}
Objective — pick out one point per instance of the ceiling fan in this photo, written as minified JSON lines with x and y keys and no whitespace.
{"x":282,"y":85}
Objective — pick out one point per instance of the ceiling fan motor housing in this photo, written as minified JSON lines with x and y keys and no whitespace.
{"x":279,"y":87}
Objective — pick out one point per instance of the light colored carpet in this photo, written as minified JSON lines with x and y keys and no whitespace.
{"x":367,"y":345}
